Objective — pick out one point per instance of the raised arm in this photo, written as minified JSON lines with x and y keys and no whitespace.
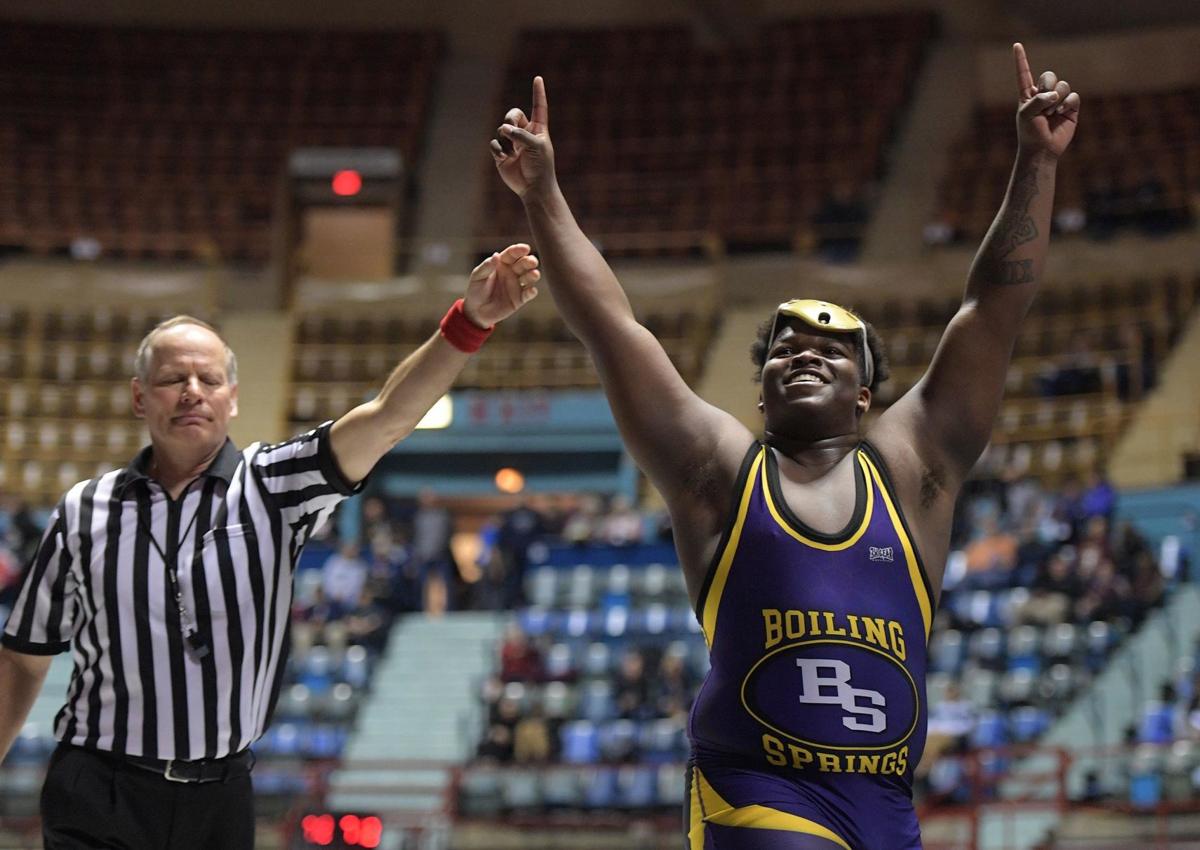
{"x":947,"y":418}
{"x":21,"y":678}
{"x":497,"y":288}
{"x":690,"y":450}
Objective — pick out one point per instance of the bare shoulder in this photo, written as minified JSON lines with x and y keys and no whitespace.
{"x":704,"y":504}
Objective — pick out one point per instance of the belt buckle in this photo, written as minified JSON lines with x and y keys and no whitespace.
{"x":169,"y":774}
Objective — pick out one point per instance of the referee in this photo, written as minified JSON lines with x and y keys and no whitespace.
{"x":171,"y":583}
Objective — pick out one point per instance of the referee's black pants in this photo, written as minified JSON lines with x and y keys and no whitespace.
{"x":92,"y":801}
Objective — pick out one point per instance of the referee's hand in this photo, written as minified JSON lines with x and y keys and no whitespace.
{"x":501,"y":285}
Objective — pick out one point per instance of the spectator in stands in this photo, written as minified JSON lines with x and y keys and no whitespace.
{"x":367,"y":621}
{"x":519,"y":528}
{"x":632,"y":689}
{"x":532,"y":743}
{"x":1102,"y":206}
{"x":1068,"y":508}
{"x":1093,"y":547}
{"x":344,"y":575}
{"x":376,"y":524}
{"x":192,"y":505}
{"x":622,"y":526}
{"x":1099,"y":498}
{"x":581,"y":525}
{"x":1106,"y":595}
{"x":951,"y":721}
{"x":1075,"y":373}
{"x":1051,"y":596}
{"x":673,"y":687}
{"x":991,"y":556}
{"x":498,"y":741}
{"x":819,"y":366}
{"x":432,"y":527}
{"x":839,"y":222}
{"x":520,"y":660}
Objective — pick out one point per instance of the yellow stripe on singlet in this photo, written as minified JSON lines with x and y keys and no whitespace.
{"x":707,"y":806}
{"x":713,"y":601}
{"x":910,"y":552}
{"x":825,"y":547}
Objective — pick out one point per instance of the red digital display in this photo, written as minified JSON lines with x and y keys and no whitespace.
{"x":347,"y":183}
{"x":344,"y":831}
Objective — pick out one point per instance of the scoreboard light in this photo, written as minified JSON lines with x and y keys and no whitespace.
{"x":346,"y":183}
{"x":340,"y":831}
{"x":351,"y":176}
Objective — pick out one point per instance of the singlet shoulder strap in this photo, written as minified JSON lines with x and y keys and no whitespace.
{"x":718,"y":569}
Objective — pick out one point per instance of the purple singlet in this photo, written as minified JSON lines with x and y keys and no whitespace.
{"x":812,"y":718}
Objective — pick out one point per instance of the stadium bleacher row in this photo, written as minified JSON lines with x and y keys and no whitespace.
{"x":176,"y":150}
{"x":1097,"y":179}
{"x":655,"y":134}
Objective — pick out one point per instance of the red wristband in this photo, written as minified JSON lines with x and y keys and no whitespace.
{"x":461,"y":332}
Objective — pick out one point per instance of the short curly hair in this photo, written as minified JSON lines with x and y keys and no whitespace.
{"x":758,"y":352}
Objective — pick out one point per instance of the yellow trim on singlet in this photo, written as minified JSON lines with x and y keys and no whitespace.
{"x":707,"y":806}
{"x":824,"y":547}
{"x":713,"y":600}
{"x":910,"y":552}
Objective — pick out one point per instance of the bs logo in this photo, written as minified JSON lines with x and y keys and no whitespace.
{"x":833,"y":694}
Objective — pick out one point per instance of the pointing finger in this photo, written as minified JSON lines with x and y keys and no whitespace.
{"x":1024,"y":75}
{"x":541,"y":106}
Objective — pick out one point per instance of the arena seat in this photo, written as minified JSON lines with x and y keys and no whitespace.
{"x":664,"y":158}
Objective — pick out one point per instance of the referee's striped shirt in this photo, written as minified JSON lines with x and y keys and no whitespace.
{"x":98,"y":586}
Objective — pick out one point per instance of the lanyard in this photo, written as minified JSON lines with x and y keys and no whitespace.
{"x":187,"y":623}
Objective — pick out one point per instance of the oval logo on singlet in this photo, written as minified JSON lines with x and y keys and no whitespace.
{"x":833,"y":695}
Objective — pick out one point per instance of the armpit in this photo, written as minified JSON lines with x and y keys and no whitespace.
{"x":933,"y":484}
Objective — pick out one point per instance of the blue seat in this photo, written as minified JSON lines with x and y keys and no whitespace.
{"x":1027,"y":723}
{"x":323,"y":741}
{"x":946,"y":652}
{"x":1145,"y":790}
{"x":1157,"y":725}
{"x":618,"y":740}
{"x":580,"y":742}
{"x":560,"y":788}
{"x":283,"y":739}
{"x":600,"y":788}
{"x":478,"y":793}
{"x":662,"y":741}
{"x":539,"y":621}
{"x":596,"y":702}
{"x":637,"y":787}
{"x":356,"y":668}
{"x":990,"y":730}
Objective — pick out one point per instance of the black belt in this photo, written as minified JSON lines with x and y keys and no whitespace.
{"x":190,"y":772}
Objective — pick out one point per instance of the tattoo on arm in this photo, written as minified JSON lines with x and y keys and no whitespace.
{"x":1013,"y":228}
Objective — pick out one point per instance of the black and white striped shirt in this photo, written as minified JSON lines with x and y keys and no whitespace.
{"x":99,"y":587}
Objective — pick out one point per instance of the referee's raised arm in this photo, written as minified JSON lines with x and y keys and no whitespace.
{"x":497,"y":288}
